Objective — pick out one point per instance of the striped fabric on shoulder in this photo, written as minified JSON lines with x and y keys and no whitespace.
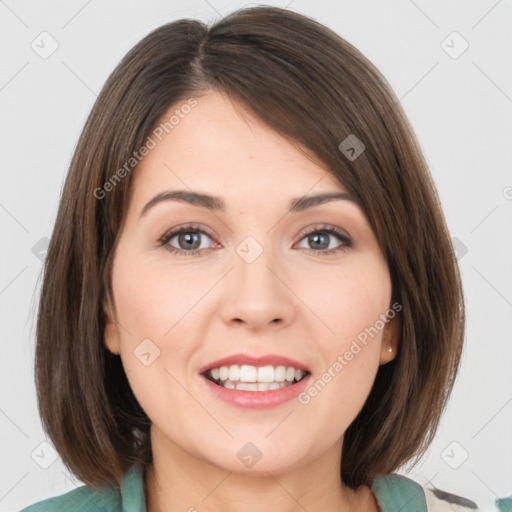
{"x":441,"y":501}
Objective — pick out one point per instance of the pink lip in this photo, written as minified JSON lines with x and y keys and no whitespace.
{"x":267,"y":360}
{"x":257,"y":399}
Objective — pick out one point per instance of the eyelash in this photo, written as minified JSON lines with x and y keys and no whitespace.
{"x":196,"y":228}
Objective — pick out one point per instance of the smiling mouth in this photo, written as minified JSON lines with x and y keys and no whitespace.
{"x":250,"y":378}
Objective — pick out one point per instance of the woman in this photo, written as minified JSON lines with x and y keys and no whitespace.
{"x":303,"y":347}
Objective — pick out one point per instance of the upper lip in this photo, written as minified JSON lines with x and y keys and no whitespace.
{"x":266,"y":360}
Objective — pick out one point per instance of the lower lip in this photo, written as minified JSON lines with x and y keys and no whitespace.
{"x":257,"y":399}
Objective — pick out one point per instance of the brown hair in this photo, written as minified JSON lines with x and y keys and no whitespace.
{"x":313,"y":87}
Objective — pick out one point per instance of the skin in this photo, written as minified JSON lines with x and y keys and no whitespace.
{"x":199,"y":308}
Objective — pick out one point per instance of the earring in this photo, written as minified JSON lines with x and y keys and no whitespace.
{"x":390,"y":349}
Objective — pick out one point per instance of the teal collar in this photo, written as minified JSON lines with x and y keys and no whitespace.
{"x":132,"y":491}
{"x":397,"y":492}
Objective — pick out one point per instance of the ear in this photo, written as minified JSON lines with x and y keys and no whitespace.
{"x":390,"y":340}
{"x":111,"y":334}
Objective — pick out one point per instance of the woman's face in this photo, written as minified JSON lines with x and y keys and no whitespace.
{"x":265,"y":280}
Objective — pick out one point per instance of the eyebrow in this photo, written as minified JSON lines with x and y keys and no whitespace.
{"x":213,"y":203}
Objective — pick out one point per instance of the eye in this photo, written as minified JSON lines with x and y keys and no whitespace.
{"x":188,"y":239}
{"x":319,"y":239}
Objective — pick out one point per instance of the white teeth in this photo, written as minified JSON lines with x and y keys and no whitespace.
{"x":248,"y":373}
{"x":266,"y":374}
{"x":223,"y":372}
{"x":255,"y":386}
{"x":234,"y":372}
{"x":252,"y":378}
{"x":246,"y":386}
{"x":280,"y":374}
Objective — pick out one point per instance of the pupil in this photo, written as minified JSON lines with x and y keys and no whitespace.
{"x":315,"y":237}
{"x":186,"y":237}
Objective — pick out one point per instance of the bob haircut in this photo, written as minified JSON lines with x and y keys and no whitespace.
{"x":314,"y":88}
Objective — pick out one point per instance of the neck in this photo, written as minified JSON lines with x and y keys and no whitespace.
{"x":179,"y":481}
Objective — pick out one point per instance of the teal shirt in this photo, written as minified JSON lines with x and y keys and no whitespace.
{"x":393,"y":492}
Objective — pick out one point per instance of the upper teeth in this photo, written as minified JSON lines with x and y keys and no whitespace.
{"x":247,"y":373}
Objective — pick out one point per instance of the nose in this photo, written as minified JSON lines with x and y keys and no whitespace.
{"x":258,"y":294}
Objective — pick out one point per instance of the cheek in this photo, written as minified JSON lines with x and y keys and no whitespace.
{"x":349,"y":339}
{"x":348,"y":300}
{"x":150,"y":305}
{"x":152,"y":299}
{"x":160,"y":304}
{"x":348,"y":327}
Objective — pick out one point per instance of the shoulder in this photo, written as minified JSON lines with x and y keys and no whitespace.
{"x":81,"y":499}
{"x":127,"y":495}
{"x":397,"y":492}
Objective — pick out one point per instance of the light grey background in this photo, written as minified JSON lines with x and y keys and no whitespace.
{"x":460,"y":108}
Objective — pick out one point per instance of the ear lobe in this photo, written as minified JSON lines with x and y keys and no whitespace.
{"x":390,"y":340}
{"x":111,"y":334}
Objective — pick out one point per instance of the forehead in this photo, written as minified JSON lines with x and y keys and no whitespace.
{"x":219,"y":146}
